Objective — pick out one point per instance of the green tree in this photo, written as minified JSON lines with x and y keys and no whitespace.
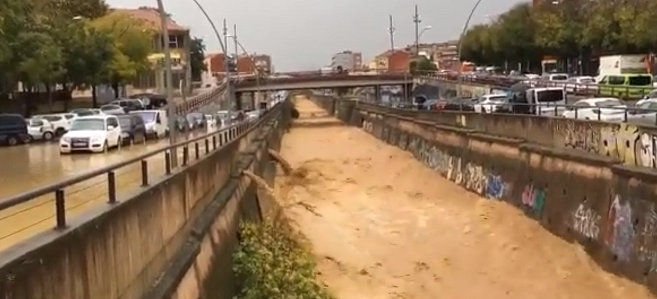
{"x":133,"y":42}
{"x":197,"y":58}
{"x":480,"y":46}
{"x":515,"y":33}
{"x":422,"y":64}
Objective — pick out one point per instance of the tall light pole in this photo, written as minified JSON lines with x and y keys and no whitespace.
{"x":460,"y":47}
{"x":239,"y":45}
{"x":391,"y":32}
{"x":417,"y":21}
{"x":168,"y":81}
{"x":224,"y":50}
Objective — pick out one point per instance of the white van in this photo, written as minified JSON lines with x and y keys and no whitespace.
{"x":549,"y":101}
{"x":155,"y":121}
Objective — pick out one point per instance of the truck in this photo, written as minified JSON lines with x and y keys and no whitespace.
{"x":623,"y":65}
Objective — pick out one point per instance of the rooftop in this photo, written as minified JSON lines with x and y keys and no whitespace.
{"x":151,"y":17}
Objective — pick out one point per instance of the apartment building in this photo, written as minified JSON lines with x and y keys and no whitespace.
{"x":347,"y":60}
{"x":392,"y":61}
{"x":179,"y":43}
{"x":245,"y":63}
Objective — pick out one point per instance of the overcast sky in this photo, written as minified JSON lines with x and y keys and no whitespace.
{"x":303,"y":34}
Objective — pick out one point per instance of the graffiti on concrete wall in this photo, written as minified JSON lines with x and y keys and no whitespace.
{"x":628,"y":144}
{"x":579,"y":135}
{"x":496,"y":188}
{"x":586,"y":222}
{"x":620,"y":231}
{"x":469,"y":175}
{"x":402,"y":141}
{"x":647,"y":252}
{"x":474,"y":178}
{"x":367,"y":126}
{"x":533,"y":199}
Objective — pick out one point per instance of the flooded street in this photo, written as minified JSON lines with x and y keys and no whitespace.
{"x":384,"y":226}
{"x":38,"y":165}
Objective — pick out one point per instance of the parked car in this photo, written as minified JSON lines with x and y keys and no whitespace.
{"x":489,"y":103}
{"x":60,"y":122}
{"x":96,"y":134}
{"x":13,"y":129}
{"x":112,"y":109}
{"x":85,"y":112}
{"x":644,"y":111}
{"x":607,"y":109}
{"x":182,"y":125}
{"x":197,"y":119}
{"x":133,"y":129}
{"x":40,"y":129}
{"x":580,"y":83}
{"x":156,"y":122}
{"x":129,"y":105}
{"x":151,"y":100}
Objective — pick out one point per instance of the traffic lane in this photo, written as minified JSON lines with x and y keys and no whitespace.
{"x":28,"y":219}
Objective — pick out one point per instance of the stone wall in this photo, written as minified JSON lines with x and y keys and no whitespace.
{"x":597,"y":201}
{"x":172,"y":239}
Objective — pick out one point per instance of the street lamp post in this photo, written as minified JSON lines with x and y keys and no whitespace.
{"x":224,"y":50}
{"x":168,"y":82}
{"x":168,"y":70}
{"x":460,"y":47}
{"x":253,"y":61}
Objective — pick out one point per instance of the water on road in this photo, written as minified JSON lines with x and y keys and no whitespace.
{"x":384,"y":226}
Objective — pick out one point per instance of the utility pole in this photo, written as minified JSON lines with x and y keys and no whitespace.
{"x":417,"y":21}
{"x":235,"y":40}
{"x":164,"y":19}
{"x":227,"y":58}
{"x":391,"y":32}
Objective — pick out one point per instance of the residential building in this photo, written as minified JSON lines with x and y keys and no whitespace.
{"x":392,"y":61}
{"x":245,"y":63}
{"x":446,"y":56}
{"x":347,"y":60}
{"x":179,"y":43}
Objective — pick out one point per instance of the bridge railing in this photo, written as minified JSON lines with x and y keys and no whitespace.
{"x":580,"y":89}
{"x":194,"y":103}
{"x":317,"y":76}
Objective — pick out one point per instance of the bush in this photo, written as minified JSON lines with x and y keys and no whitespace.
{"x":273,"y":262}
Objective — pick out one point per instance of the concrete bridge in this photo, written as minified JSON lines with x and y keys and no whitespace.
{"x":586,"y":182}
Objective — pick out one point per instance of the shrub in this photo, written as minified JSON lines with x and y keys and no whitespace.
{"x":273,"y":262}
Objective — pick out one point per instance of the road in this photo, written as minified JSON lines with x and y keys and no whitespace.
{"x":33,"y":166}
{"x":384,"y":226}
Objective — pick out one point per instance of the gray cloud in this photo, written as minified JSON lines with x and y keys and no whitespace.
{"x":303,"y":34}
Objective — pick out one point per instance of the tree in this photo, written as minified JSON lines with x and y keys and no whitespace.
{"x":422,"y":64}
{"x":197,"y":58}
{"x":133,"y":42}
{"x":573,"y":29}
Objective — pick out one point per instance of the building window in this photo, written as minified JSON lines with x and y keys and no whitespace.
{"x":173,"y":41}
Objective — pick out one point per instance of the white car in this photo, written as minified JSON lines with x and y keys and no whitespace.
{"x":607,"y":109}
{"x":580,"y":83}
{"x":489,"y":103}
{"x":96,"y":133}
{"x":112,"y":109}
{"x":645,"y":112}
{"x":60,"y":122}
{"x":40,"y":129}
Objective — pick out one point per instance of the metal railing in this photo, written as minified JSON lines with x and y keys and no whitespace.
{"x":204,"y":99}
{"x":193,"y":149}
{"x":307,"y":77}
{"x":604,"y":113}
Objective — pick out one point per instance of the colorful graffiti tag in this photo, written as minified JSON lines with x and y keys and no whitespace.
{"x":624,"y":142}
{"x":534,"y":200}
